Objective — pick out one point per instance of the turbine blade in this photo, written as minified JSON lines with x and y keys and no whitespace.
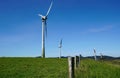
{"x":40,"y":15}
{"x":61,"y":43}
{"x":49,"y":8}
{"x":94,"y":50}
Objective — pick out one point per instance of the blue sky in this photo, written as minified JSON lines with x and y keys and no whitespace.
{"x":82,"y":24}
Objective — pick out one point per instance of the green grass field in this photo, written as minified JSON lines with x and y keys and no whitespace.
{"x":33,"y":68}
{"x":98,"y":69}
{"x":56,"y":68}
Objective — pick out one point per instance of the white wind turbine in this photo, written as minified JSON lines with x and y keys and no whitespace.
{"x":101,"y":55}
{"x":44,"y":29}
{"x":95,"y":54}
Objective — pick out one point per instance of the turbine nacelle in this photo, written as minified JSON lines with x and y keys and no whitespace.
{"x":42,"y":17}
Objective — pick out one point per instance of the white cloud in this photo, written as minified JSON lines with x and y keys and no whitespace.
{"x":97,"y":30}
{"x":102,"y":29}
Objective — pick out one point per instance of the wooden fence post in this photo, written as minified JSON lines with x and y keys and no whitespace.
{"x":79,"y":58}
{"x":76,"y":61}
{"x":71,"y":67}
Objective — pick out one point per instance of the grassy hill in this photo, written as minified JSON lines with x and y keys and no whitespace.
{"x":98,"y":69}
{"x":33,"y":68}
{"x":56,"y":68}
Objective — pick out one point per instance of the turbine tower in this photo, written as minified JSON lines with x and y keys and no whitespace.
{"x":95,"y":54}
{"x":101,"y":56}
{"x":60,"y":46}
{"x":44,"y":29}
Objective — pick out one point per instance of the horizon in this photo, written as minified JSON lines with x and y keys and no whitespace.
{"x":92,"y":56}
{"x":81,"y":24}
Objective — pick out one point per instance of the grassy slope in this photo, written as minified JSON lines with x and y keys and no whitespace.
{"x":97,"y":69}
{"x":33,"y":68}
{"x":56,"y":68}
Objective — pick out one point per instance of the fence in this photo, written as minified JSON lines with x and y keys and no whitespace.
{"x":73,"y":63}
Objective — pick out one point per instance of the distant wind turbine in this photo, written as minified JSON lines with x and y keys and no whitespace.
{"x":60,"y":46}
{"x":101,"y":55}
{"x":44,"y":29}
{"x":95,"y":54}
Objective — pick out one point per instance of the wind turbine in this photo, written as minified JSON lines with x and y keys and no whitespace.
{"x":44,"y":29}
{"x":60,"y":46}
{"x":101,"y":55}
{"x":95,"y":54}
